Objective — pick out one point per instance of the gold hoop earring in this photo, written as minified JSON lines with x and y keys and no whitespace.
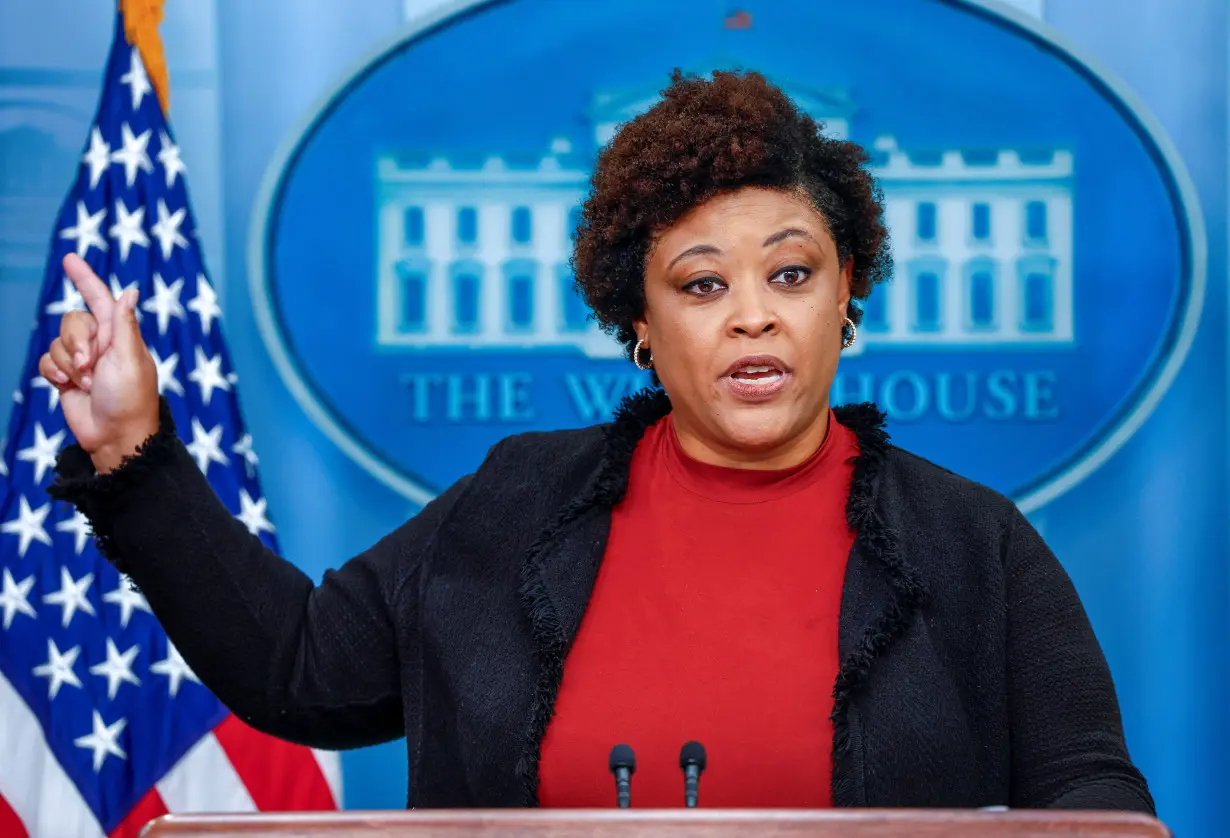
{"x":847,"y":342}
{"x":636,"y":356}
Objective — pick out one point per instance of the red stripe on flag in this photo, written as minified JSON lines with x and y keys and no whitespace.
{"x":10,"y":824}
{"x":145,"y":810}
{"x":279,"y":775}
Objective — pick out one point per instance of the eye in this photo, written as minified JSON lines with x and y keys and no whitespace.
{"x":703,"y":287}
{"x":792,"y":275}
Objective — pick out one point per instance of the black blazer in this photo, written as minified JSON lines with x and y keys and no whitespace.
{"x":970,"y":675}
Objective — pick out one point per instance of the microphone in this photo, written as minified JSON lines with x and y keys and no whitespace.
{"x":623,"y":766}
{"x":692,"y":761}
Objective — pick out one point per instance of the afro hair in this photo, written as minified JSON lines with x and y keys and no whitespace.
{"x":704,"y":138}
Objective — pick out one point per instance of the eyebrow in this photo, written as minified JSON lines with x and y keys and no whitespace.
{"x":695,"y":250}
{"x":788,"y":233}
{"x":712,"y":250}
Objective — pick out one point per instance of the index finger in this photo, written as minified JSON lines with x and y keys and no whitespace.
{"x":93,"y":290}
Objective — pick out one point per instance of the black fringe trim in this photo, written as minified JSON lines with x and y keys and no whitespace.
{"x":76,"y":482}
{"x":878,"y":542}
{"x":635,"y":414}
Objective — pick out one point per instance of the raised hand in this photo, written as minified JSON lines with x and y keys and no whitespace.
{"x":106,"y":376}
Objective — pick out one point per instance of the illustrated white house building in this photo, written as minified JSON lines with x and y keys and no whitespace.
{"x":477,"y":256}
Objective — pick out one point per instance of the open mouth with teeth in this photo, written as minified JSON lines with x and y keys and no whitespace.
{"x":757,"y":375}
{"x":756,"y":379}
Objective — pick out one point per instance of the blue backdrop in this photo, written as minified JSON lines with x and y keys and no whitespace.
{"x":384,"y":192}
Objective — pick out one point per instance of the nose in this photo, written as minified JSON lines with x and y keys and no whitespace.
{"x":752,"y":313}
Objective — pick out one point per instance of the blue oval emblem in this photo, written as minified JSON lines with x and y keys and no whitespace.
{"x":410,"y":255}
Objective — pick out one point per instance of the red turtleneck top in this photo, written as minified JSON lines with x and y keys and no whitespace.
{"x":713,"y":618}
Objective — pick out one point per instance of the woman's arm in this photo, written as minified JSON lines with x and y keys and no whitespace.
{"x":317,"y":665}
{"x":1068,"y":750}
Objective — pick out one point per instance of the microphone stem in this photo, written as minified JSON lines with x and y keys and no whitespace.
{"x":691,"y":787}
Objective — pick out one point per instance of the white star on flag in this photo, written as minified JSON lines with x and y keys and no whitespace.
{"x":166,"y":372}
{"x":117,"y":668}
{"x":127,"y":229}
{"x":70,"y":300}
{"x":127,"y":599}
{"x":14,"y":598}
{"x":137,"y":80}
{"x":4,"y":467}
{"x":165,"y":302}
{"x":79,"y":526}
{"x":71,"y":596}
{"x":174,"y":668}
{"x":169,"y":158}
{"x":43,"y":452}
{"x":134,"y":154}
{"x":98,"y":158}
{"x":252,"y":514}
{"x":102,"y":741}
{"x":205,"y":303}
{"x":53,"y":395}
{"x":206,"y":447}
{"x":85,"y":232}
{"x":59,"y":668}
{"x":208,"y":375}
{"x":28,"y":525}
{"x":166,"y":229}
{"x":244,"y":449}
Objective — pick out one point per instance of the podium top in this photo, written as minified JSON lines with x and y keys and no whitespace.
{"x":677,"y":823}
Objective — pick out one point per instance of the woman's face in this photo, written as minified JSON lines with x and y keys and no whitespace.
{"x":744,"y":303}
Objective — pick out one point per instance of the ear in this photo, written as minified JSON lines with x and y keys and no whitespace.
{"x":843,"y":288}
{"x":641,"y":327}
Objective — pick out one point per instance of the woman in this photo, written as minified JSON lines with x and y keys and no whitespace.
{"x":838,"y":621}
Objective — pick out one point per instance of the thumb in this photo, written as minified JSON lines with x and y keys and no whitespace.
{"x":125,"y":331}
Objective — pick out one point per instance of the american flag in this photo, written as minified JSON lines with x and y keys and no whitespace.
{"x":102,"y":725}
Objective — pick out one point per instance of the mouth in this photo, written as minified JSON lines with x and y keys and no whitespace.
{"x":756,"y":377}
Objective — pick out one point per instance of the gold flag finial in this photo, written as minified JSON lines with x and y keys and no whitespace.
{"x":141,"y":19}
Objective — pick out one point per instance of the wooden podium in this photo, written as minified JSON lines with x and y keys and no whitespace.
{"x":673,"y":823}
